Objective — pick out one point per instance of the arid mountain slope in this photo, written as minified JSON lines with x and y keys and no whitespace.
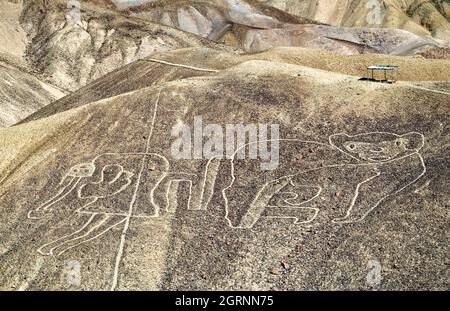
{"x":161,"y":67}
{"x":71,"y":48}
{"x":49,"y":48}
{"x":423,"y":17}
{"x":254,"y":28}
{"x":13,"y":37}
{"x":98,"y":185}
{"x":411,"y":68}
{"x":21,"y":93}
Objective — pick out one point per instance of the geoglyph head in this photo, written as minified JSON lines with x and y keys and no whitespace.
{"x":82,"y":170}
{"x":378,"y":146}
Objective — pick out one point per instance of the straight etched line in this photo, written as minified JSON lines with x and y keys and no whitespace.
{"x":178,"y":65}
{"x":133,"y":200}
{"x":427,"y":89}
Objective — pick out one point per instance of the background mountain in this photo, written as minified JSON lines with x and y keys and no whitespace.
{"x":423,"y":17}
{"x":254,"y":27}
{"x":13,"y":36}
{"x":45,"y":53}
{"x":72,"y":53}
{"x":21,"y":91}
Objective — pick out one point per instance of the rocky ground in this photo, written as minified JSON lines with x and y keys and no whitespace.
{"x":171,"y":246}
{"x":94,"y":196}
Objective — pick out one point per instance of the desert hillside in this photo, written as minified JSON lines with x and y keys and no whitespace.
{"x":72,"y":53}
{"x":223,"y":145}
{"x":254,"y":27}
{"x":14,"y":38}
{"x":21,"y":93}
{"x":57,"y":54}
{"x":68,"y":50}
{"x":158,"y":234}
{"x":423,"y":17}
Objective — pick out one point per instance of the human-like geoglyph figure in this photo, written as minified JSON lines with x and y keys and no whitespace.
{"x":104,"y":192}
{"x":371,"y":168}
{"x":113,"y":187}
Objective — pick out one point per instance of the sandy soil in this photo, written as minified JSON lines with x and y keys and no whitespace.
{"x":93,"y":195}
{"x":122,"y":240}
{"x":14,"y":38}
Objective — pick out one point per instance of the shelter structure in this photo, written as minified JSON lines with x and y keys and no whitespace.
{"x":382,"y":73}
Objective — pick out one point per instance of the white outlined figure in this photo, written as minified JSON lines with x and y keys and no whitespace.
{"x":119,"y":177}
{"x":112,"y":188}
{"x":287,"y":202}
{"x":171,"y":187}
{"x":379,"y":165}
{"x":114,"y":179}
{"x":200,"y":188}
{"x":102,"y":191}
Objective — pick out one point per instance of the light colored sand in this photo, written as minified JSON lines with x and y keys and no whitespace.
{"x":13,"y":36}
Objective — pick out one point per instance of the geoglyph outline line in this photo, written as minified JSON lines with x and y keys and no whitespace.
{"x":233,"y":177}
{"x":298,"y":206}
{"x":203,"y":205}
{"x":169,"y":202}
{"x":94,"y":237}
{"x":74,"y":182}
{"x":78,"y":237}
{"x":63,"y":237}
{"x":178,"y":65}
{"x":393,"y":193}
{"x":46,"y":205}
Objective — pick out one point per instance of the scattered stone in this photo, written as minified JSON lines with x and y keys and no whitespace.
{"x":275,"y":271}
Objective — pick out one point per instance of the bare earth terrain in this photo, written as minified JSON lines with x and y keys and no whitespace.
{"x":424,"y":17}
{"x":21,"y":93}
{"x":254,"y":27}
{"x":89,"y":181}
